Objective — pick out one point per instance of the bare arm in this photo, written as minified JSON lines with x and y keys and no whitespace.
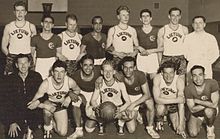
{"x":41,"y":91}
{"x":125,"y":97}
{"x":5,"y":40}
{"x":160,"y":40}
{"x":95,"y":97}
{"x":33,"y":30}
{"x":192,"y":107}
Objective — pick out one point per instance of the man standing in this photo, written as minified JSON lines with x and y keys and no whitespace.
{"x":138,"y":91}
{"x":47,"y":46}
{"x":17,"y":36}
{"x":94,"y":43}
{"x":22,"y":86}
{"x":71,"y":42}
{"x":122,"y":38}
{"x":201,"y":48}
{"x":202,"y":97}
{"x":170,"y":38}
{"x":168,"y":90}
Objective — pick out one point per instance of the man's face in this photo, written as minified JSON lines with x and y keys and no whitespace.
{"x":58,"y":74}
{"x":23,"y":65}
{"x":198,"y":77}
{"x":108,"y":72}
{"x":20,"y":13}
{"x":47,"y":24}
{"x":198,"y":24}
{"x":97,"y":25}
{"x":146,"y":18}
{"x":168,"y":75}
{"x":128,"y":69}
{"x":87,"y":66}
{"x":123,"y":17}
{"x":71,"y":25}
{"x":174,"y":17}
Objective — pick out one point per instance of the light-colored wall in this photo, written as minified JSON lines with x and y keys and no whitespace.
{"x":86,"y":9}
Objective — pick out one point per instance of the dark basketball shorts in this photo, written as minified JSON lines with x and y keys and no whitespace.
{"x":202,"y":113}
{"x":179,"y":61}
{"x":172,"y":108}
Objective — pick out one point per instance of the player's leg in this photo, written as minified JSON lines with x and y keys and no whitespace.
{"x":173,"y":115}
{"x":194,"y":124}
{"x":132,"y":124}
{"x":160,"y":112}
{"x":61,"y":120}
{"x":48,"y":116}
{"x":210,"y":115}
{"x":150,"y":114}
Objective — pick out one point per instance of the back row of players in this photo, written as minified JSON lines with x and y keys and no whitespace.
{"x":168,"y":47}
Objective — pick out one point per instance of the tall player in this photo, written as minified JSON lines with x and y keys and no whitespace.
{"x":94,"y":43}
{"x":138,"y":91}
{"x":147,"y":59}
{"x":122,"y":38}
{"x":85,"y":77}
{"x":170,"y":38}
{"x":47,"y":46}
{"x":17,"y":36}
{"x":202,"y":97}
{"x":58,"y":87}
{"x":109,"y":90}
{"x":168,"y":93}
{"x":71,"y":41}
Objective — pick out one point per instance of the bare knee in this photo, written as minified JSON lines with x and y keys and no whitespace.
{"x":209,"y":112}
{"x":61,"y":132}
{"x":131,"y":129}
{"x":160,"y":109}
{"x":193,"y":133}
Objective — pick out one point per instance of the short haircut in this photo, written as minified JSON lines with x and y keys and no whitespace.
{"x":167,"y":64}
{"x":71,"y":16}
{"x":60,"y":64}
{"x":197,"y":67}
{"x":97,"y":17}
{"x":174,"y":9}
{"x":87,"y":56}
{"x":128,"y":59}
{"x":47,"y":16}
{"x":20,"y":3}
{"x":122,"y":7}
{"x":108,"y":62}
{"x":145,"y":11}
{"x":199,"y":16}
{"x":22,"y":56}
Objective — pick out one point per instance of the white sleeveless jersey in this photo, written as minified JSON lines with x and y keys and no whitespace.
{"x":173,"y":41}
{"x":19,"y":38}
{"x":168,"y":91}
{"x":123,"y":39}
{"x":112,"y":93}
{"x":70,"y":45}
{"x":57,"y":95}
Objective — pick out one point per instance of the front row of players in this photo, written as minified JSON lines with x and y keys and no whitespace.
{"x":127,"y":90}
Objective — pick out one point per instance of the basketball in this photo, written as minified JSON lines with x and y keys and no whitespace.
{"x":107,"y":111}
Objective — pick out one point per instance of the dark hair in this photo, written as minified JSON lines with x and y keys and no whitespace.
{"x":122,"y":7}
{"x":59,"y":63}
{"x":197,"y":67}
{"x":128,"y":59}
{"x":145,"y":11}
{"x":71,"y":16}
{"x":174,"y":9}
{"x":108,"y":62}
{"x":47,"y":16}
{"x":199,"y":16}
{"x":167,"y":64}
{"x":87,"y":56}
{"x":22,"y":56}
{"x":20,"y":3}
{"x":97,"y":17}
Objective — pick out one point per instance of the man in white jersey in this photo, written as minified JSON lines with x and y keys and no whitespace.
{"x":71,"y":41}
{"x":17,"y":36}
{"x":122,"y":38}
{"x":168,"y":93}
{"x":201,"y":48}
{"x":170,"y":38}
{"x":109,"y":90}
{"x":58,"y":87}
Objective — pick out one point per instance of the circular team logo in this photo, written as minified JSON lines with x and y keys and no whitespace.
{"x":204,"y":98}
{"x":58,"y":96}
{"x":19,"y":36}
{"x":165,"y":92}
{"x":123,"y":38}
{"x":174,"y":39}
{"x":110,"y":94}
{"x":152,"y":38}
{"x":71,"y":46}
{"x":137,"y":88}
{"x":51,"y":45}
